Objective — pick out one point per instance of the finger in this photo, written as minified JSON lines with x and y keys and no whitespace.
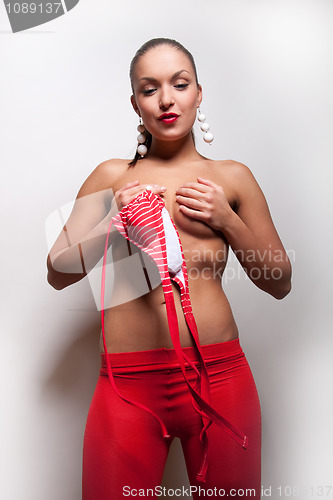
{"x":126,"y":193}
{"x":135,"y":190}
{"x":191,"y":192}
{"x":128,"y":185}
{"x":207,"y":182}
{"x":194,"y":214}
{"x":193,"y":185}
{"x":189,"y":202}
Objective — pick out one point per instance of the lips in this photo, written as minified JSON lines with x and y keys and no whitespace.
{"x":168,"y":117}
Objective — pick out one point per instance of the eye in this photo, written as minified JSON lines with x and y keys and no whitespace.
{"x":148,"y":91}
{"x":181,"y":85}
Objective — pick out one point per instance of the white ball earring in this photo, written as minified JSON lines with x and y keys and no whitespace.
{"x":208,"y":136}
{"x":141,"y":149}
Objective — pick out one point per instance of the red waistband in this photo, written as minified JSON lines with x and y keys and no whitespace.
{"x":159,"y":358}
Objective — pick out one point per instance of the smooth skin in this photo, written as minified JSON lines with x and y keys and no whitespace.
{"x":214,"y":204}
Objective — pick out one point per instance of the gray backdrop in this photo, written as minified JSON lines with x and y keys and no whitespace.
{"x":266,"y":71}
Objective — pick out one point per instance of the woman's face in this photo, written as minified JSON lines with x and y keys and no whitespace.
{"x":164,"y":83}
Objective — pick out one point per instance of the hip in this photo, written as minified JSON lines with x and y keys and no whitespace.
{"x":219,"y":357}
{"x":154,"y":377}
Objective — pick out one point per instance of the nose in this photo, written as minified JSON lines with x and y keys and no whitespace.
{"x":166,"y":98}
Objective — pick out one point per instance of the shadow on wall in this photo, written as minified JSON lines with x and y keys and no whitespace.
{"x":75,"y":372}
{"x":67,"y":384}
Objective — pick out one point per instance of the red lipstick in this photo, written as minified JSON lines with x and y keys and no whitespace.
{"x":168,"y":117}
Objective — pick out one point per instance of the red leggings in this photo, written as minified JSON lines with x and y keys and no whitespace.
{"x":124,"y":450}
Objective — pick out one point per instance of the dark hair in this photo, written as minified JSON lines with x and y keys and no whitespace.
{"x":155,"y":42}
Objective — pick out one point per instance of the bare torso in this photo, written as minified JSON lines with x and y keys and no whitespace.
{"x":141,"y":323}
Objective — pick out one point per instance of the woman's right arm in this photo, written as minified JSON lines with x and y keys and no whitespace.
{"x":80,"y":245}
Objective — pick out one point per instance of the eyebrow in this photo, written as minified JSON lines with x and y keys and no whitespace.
{"x":173,"y":76}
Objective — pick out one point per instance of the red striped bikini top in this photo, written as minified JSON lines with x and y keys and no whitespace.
{"x":145,"y":222}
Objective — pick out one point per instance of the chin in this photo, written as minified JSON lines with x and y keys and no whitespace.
{"x":172,"y":135}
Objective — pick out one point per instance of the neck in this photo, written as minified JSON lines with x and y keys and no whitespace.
{"x":178,"y":150}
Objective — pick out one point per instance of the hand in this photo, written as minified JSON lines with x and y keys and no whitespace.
{"x":132,"y":189}
{"x":205,"y":201}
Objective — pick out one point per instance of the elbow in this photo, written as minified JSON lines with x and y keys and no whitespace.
{"x":284,"y":285}
{"x":282,"y":291}
{"x":56,"y":284}
{"x":53,"y":278}
{"x":59,"y":280}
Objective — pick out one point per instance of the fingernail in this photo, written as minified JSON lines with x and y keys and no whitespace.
{"x":163,"y":188}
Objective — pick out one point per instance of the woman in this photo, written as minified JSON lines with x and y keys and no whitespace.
{"x":186,"y":377}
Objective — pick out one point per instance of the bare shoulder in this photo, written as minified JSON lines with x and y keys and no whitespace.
{"x":232,"y":168}
{"x":238,"y":175}
{"x":236,"y":179}
{"x":103,"y":176}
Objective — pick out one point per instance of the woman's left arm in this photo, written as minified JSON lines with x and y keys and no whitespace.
{"x":248,"y":228}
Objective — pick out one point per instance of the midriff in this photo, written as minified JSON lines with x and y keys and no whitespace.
{"x":141,"y":324}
